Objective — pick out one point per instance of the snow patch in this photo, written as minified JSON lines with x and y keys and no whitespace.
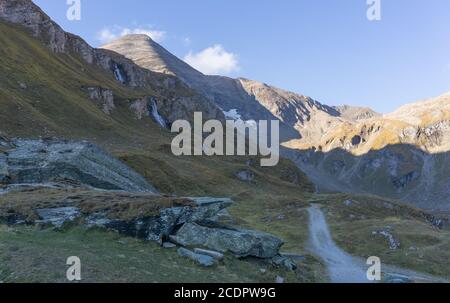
{"x":232,"y":114}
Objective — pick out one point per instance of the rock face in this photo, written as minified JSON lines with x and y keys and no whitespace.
{"x":356,"y":113}
{"x":44,"y":161}
{"x":242,"y":243}
{"x":148,"y":107}
{"x":102,"y":97}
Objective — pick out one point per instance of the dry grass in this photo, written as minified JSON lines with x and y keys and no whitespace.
{"x":117,"y":205}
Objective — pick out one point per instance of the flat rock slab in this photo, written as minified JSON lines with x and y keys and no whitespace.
{"x":202,"y":260}
{"x":168,"y":245}
{"x":43,"y":161}
{"x":240,"y":242}
{"x":216,"y":255}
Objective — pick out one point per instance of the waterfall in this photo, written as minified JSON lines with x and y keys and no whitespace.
{"x":118,"y":74}
{"x":156,"y":116}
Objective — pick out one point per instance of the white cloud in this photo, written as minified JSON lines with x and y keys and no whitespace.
{"x":213,"y":60}
{"x":109,"y":34}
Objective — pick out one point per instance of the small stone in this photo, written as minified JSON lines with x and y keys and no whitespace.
{"x":284,"y":262}
{"x":281,"y":217}
{"x":263,"y":270}
{"x":245,"y":175}
{"x":397,"y":279}
{"x":23,"y":85}
{"x":279,"y":280}
{"x":348,"y":202}
{"x":168,"y":245}
{"x":216,"y":255}
{"x":202,"y":260}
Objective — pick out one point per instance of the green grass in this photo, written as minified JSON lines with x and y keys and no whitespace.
{"x":32,"y":255}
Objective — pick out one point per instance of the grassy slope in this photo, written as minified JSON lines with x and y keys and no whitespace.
{"x":31,"y":255}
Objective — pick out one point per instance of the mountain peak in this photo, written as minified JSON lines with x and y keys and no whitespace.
{"x":133,"y":37}
{"x":150,"y":55}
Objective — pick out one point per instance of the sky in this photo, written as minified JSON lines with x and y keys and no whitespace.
{"x":326,"y":49}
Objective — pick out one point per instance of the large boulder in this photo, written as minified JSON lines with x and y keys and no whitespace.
{"x":44,"y":161}
{"x":240,"y":242}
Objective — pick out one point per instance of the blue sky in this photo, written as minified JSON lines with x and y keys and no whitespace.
{"x":326,"y":49}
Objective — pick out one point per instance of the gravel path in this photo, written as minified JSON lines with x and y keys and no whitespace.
{"x":342,"y":267}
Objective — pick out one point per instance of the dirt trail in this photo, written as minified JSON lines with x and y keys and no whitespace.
{"x":344,"y":268}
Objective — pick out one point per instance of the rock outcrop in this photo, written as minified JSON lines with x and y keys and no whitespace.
{"x":356,"y":113}
{"x":103,"y":97}
{"x":52,"y":160}
{"x":159,"y":228}
{"x":188,"y":222}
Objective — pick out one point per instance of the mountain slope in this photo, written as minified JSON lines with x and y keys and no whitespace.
{"x":403,"y":155}
{"x":250,"y":99}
